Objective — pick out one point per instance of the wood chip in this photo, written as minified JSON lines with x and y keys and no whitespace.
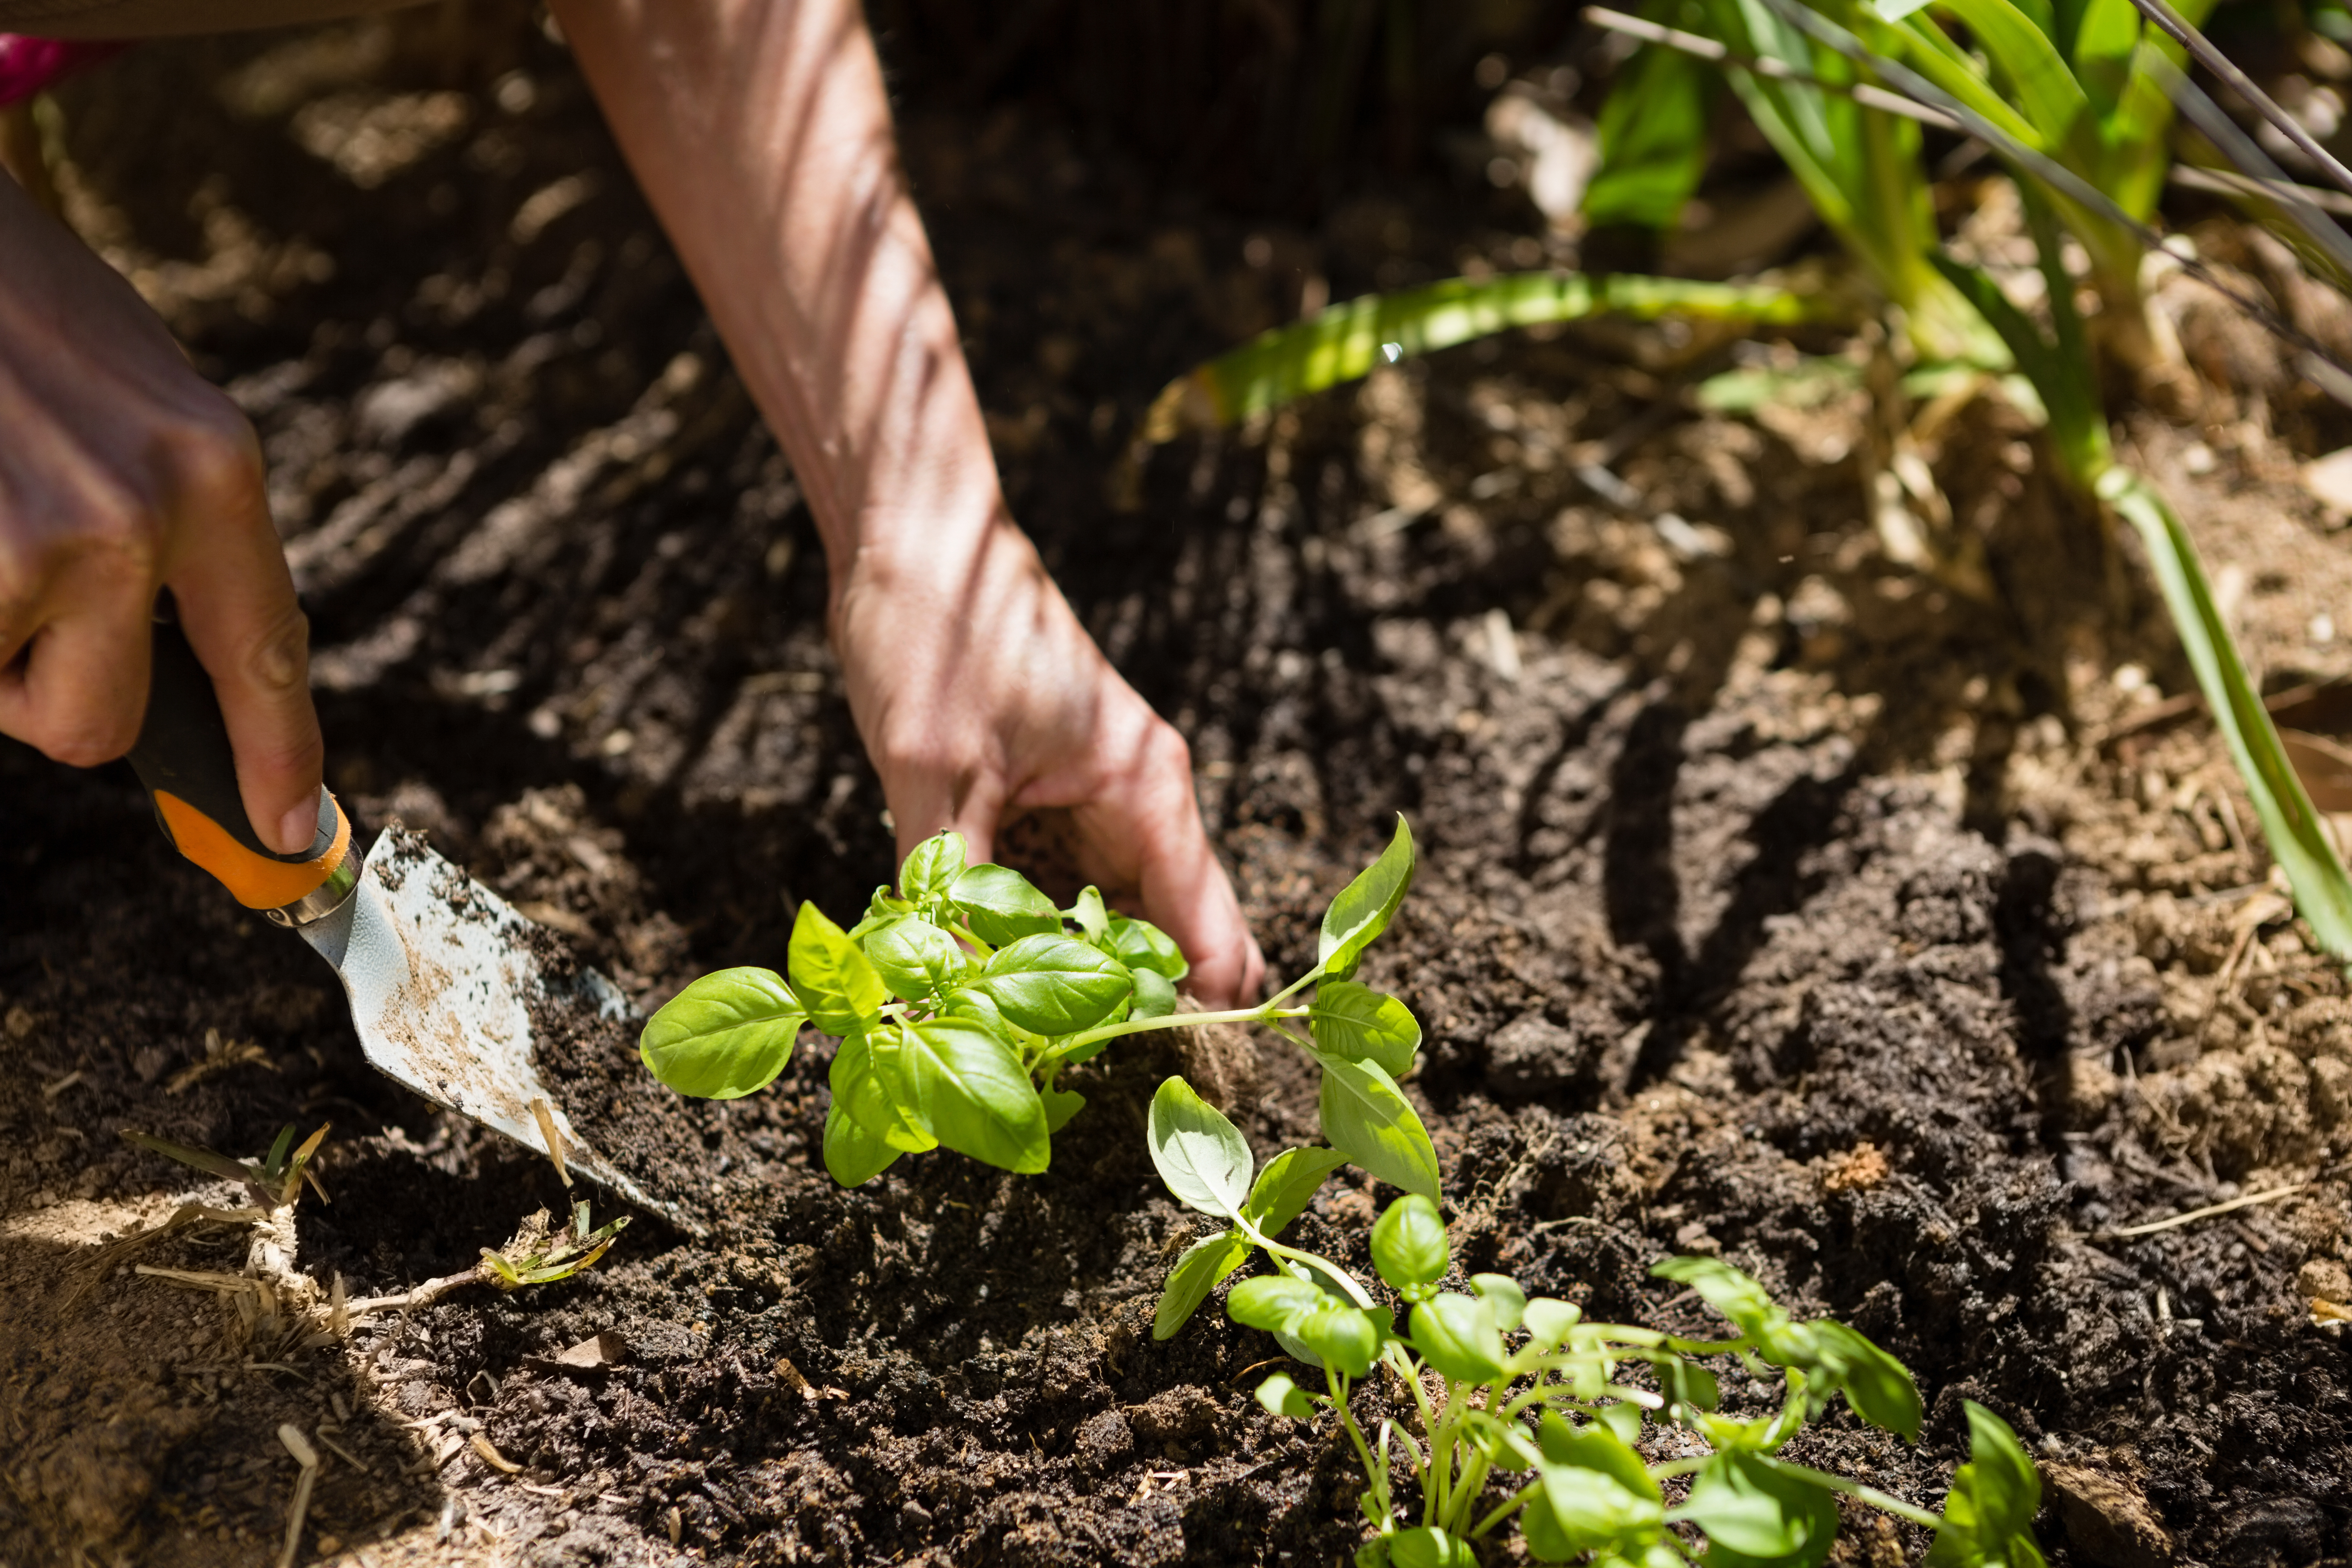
{"x":607,"y":1349}
{"x":492,"y":1458}
{"x":544,"y":1114}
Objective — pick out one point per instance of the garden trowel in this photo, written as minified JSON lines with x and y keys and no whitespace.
{"x":448,"y":986}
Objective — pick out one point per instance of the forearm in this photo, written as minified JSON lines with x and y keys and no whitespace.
{"x":761,"y":134}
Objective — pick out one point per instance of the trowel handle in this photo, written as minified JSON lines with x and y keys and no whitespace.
{"x":184,"y":760}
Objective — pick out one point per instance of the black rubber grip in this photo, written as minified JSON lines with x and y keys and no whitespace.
{"x":184,"y":752}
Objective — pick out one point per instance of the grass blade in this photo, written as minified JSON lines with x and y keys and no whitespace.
{"x":2323,"y":892}
{"x":2224,"y":69}
{"x":1345,"y":342}
{"x":2253,"y":162}
{"x":2323,"y":368}
{"x":2045,"y":89}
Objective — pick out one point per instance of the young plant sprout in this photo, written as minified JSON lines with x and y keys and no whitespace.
{"x":961,"y":997}
{"x":272,"y":1182}
{"x":1527,"y":1388}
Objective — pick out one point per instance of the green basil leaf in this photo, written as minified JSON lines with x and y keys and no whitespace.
{"x":1202,"y":1156}
{"x":931,"y":867}
{"x":1270,"y":1302}
{"x":1365,"y":906}
{"x":1621,"y":1420}
{"x":853,"y":1156}
{"x":1155,"y":995}
{"x":1430,"y":1547}
{"x":1287,"y":1185}
{"x":881,"y":911}
{"x":980,"y":1007}
{"x":1457,"y":1335}
{"x":830,"y":976}
{"x":1754,"y":1512}
{"x":1055,"y":985}
{"x":1196,"y":1274}
{"x":1729,"y":1292}
{"x":1364,"y":1024}
{"x":969,"y":1089}
{"x":1503,"y":1296}
{"x":726,"y":1034}
{"x":1689,"y":1385}
{"x":1340,"y":1333}
{"x":1140,"y":945}
{"x":1547,"y":1542}
{"x":915,"y":959}
{"x":1089,"y":916}
{"x":1061,"y":1104}
{"x":1366,"y":1118}
{"x":1548,"y":1321}
{"x":1002,"y":906}
{"x":1988,"y":1514}
{"x":862,"y":1088}
{"x":1595,"y":1447}
{"x":1409,"y":1243}
{"x":1594,"y":1511}
{"x":1281,"y":1396}
{"x":1879,"y":1388}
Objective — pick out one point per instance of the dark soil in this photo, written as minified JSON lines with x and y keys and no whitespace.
{"x":1778,"y":902}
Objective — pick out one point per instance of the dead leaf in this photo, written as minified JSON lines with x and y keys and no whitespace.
{"x":607,"y":1349}
{"x":2325,"y":766}
{"x":492,"y":1458}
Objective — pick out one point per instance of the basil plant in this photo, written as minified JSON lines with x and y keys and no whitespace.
{"x":963,"y":994}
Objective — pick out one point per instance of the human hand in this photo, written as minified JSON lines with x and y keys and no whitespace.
{"x":123,"y":471}
{"x":982,"y":697}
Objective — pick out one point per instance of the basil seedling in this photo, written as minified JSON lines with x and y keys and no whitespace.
{"x":1525,"y":1410}
{"x":961,"y":996}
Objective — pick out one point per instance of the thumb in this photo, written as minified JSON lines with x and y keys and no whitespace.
{"x":236,"y":604}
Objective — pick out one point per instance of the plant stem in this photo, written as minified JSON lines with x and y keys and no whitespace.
{"x":1361,"y":1297}
{"x":1263,"y":1012}
{"x":1503,"y":1511}
{"x":1295,"y":987}
{"x":1372,"y":1472}
{"x":1854,"y":1489}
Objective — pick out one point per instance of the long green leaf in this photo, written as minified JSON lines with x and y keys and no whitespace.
{"x":2022,"y":52}
{"x":1345,"y":342}
{"x":1653,"y":136}
{"x":2323,"y":892}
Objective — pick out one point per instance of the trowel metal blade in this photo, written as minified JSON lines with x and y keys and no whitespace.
{"x":444,"y":978}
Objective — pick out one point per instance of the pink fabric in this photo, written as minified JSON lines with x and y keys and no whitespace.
{"x":29,"y":64}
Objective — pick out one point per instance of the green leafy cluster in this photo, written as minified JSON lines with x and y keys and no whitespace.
{"x":1534,"y":1416}
{"x":960,"y":996}
{"x":539,"y":1256}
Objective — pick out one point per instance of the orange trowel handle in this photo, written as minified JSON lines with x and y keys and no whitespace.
{"x":183,"y":759}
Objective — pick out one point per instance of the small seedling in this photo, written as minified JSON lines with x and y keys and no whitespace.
{"x":537,"y":1257}
{"x":960,"y":998}
{"x":1525,"y":1388}
{"x":272,"y":1181}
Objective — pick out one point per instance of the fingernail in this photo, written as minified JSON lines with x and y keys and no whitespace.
{"x":298,"y":828}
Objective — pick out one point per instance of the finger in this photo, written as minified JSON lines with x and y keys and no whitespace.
{"x":925,"y":799}
{"x":236,"y":604}
{"x":1184,"y":890}
{"x":77,"y":687}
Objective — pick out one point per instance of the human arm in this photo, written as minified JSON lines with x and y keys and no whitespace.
{"x":122,"y":471}
{"x":761,"y":134}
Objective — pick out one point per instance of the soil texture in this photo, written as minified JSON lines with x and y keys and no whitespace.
{"x":1781,"y":900}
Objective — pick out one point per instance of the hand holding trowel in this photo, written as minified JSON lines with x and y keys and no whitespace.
{"x":447,"y":988}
